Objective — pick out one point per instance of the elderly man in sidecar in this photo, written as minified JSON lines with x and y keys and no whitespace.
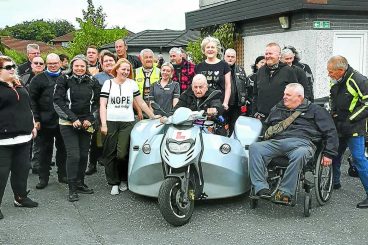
{"x":193,"y":98}
{"x":294,"y":126}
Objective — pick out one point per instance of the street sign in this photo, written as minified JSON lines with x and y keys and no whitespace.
{"x":321,"y":24}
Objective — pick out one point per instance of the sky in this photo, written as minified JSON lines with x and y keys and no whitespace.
{"x":134,"y":15}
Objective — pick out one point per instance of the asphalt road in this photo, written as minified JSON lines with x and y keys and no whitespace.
{"x":131,"y":219}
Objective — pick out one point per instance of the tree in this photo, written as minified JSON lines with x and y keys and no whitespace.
{"x":95,"y":16}
{"x":39,"y":30}
{"x":89,"y":34}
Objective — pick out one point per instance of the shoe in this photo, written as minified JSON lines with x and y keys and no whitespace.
{"x":24,"y":202}
{"x":114,"y":190}
{"x":53,"y":163}
{"x":264,"y":193}
{"x":73,"y":197}
{"x":1,"y":215}
{"x":35,"y":171}
{"x":83,"y":189}
{"x":91,"y":169}
{"x":337,"y":186}
{"x":62,"y":179}
{"x":363,"y":204}
{"x":42,"y":184}
{"x":123,"y":186}
{"x":281,"y":197}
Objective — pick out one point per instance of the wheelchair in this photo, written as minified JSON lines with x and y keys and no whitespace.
{"x":322,"y":181}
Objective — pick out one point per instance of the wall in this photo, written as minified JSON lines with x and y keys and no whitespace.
{"x":315,"y":46}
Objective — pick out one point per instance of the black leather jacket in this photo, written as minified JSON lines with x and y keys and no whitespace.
{"x":239,"y":83}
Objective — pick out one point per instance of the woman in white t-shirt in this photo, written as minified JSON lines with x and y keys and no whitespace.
{"x":117,"y":120}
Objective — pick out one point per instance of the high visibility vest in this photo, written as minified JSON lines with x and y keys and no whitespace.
{"x":140,"y":78}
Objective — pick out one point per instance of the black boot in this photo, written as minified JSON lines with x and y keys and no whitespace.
{"x":73,"y":195}
{"x":1,"y":215}
{"x":42,"y":184}
{"x":91,"y":169}
{"x":62,"y":179}
{"x":24,"y":201}
{"x":83,"y":188}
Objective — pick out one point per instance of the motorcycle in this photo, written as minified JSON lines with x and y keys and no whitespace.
{"x":181,"y":161}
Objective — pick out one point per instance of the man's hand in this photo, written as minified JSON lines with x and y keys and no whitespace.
{"x":326,"y":161}
{"x":37,"y":125}
{"x":104,"y":129}
{"x":86,"y":124}
{"x":34,"y":133}
{"x":211,"y":111}
{"x":226,"y":106}
{"x":77,"y":124}
{"x":163,"y":119}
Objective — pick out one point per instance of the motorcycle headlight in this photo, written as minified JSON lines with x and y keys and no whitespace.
{"x":225,"y":148}
{"x":179,"y":148}
{"x":146,"y":148}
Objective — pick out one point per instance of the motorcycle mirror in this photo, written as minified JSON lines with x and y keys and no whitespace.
{"x":212,"y":94}
{"x":157,"y":107}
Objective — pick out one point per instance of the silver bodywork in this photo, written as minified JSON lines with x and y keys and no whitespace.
{"x":224,"y":175}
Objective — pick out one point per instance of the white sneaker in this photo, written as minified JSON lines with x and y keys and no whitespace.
{"x":123,"y":186}
{"x":115,"y":190}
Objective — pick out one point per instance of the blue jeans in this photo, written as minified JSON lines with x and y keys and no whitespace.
{"x":356,"y":145}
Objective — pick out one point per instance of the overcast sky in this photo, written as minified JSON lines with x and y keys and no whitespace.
{"x":135,"y":15}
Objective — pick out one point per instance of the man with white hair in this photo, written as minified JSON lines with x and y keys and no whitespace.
{"x":183,"y":69}
{"x":349,"y":100}
{"x":41,"y":92}
{"x":312,"y":124}
{"x":33,"y":50}
{"x":193,"y":98}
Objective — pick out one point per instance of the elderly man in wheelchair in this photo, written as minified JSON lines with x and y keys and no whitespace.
{"x":297,"y":131}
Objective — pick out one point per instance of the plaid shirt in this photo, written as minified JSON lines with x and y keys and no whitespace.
{"x":184,"y":74}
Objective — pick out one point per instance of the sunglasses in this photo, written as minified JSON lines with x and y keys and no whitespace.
{"x":8,"y":67}
{"x":38,"y":63}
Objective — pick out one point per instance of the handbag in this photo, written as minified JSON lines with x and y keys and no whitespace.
{"x":280,"y":126}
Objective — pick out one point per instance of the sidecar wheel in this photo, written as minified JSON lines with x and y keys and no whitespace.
{"x":171,"y":207}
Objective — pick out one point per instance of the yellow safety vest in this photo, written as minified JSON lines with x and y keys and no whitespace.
{"x":140,"y":78}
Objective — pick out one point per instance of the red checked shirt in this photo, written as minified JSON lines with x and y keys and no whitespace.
{"x":184,"y":74}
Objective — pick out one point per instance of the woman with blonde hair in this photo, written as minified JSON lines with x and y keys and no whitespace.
{"x":117,"y":120}
{"x":16,"y":131}
{"x":217,"y":72}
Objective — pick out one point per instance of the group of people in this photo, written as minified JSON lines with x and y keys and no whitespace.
{"x":87,"y":107}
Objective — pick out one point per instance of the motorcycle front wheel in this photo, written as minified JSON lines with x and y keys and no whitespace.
{"x":173,"y":209}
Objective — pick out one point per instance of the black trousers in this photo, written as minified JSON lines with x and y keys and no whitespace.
{"x":77,"y":144}
{"x":231,"y":115}
{"x":35,"y":153}
{"x":95,"y":152}
{"x":14,"y":159}
{"x":47,"y":136}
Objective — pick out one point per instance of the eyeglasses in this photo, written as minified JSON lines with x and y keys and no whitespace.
{"x":38,"y":63}
{"x":8,"y":67}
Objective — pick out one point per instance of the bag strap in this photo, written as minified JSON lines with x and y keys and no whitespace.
{"x":281,"y":126}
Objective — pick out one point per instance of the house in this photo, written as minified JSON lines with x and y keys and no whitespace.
{"x":20,"y":45}
{"x":64,"y":40}
{"x":160,"y":41}
{"x":318,"y":29}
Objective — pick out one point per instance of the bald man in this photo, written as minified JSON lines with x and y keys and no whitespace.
{"x":41,"y":92}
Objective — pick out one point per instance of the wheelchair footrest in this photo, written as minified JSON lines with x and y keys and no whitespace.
{"x":307,"y":185}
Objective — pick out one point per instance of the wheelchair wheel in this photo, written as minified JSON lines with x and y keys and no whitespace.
{"x":322,"y":181}
{"x":307,"y":204}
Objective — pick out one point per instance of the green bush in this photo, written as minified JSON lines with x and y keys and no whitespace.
{"x":18,"y":57}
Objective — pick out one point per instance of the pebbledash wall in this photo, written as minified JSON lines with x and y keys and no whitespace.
{"x":316,"y":46}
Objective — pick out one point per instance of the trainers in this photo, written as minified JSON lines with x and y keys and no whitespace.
{"x":123,"y":186}
{"x":73,"y":197}
{"x":282,"y":197}
{"x":24,"y":202}
{"x":264,"y":193}
{"x":114,"y":190}
{"x":1,"y":215}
